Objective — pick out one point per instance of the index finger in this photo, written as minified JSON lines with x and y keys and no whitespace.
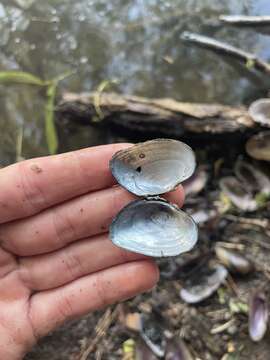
{"x":33,"y":185}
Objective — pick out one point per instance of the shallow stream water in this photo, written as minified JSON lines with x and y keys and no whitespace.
{"x":135,"y":42}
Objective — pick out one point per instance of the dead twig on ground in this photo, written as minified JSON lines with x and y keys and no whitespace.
{"x":251,"y":61}
{"x":100,"y":331}
{"x":264,"y":223}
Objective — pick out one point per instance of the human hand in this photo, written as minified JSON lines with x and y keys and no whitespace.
{"x":56,"y":260}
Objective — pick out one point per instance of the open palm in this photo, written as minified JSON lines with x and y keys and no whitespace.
{"x":56,"y":260}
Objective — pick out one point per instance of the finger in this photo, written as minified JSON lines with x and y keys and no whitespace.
{"x":51,"y":308}
{"x":81,"y":258}
{"x":76,"y":219}
{"x":33,"y":185}
{"x":176,"y":196}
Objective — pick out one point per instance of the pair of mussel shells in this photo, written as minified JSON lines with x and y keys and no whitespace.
{"x":152,"y":226}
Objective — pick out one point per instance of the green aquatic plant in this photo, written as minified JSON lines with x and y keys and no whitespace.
{"x":50,"y":129}
{"x":20,"y":77}
{"x":24,"y":78}
{"x":19,"y":144}
{"x":104,"y":85}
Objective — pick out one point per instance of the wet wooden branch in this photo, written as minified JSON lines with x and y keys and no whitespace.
{"x":165,"y":116}
{"x":242,"y":20}
{"x":221,"y":48}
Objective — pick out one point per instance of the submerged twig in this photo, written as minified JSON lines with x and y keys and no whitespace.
{"x":251,"y":60}
{"x":243,"y":20}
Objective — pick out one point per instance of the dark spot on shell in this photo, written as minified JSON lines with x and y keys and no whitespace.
{"x":81,"y":210}
{"x":139,"y":169}
{"x":142,"y":156}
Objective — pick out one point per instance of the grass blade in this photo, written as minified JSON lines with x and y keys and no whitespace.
{"x":51,"y":133}
{"x":63,"y":76}
{"x":101,"y":88}
{"x":19,"y":144}
{"x":20,"y":77}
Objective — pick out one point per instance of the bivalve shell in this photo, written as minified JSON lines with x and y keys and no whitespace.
{"x":258,"y":146}
{"x":235,"y":262}
{"x":154,"y":227}
{"x":204,"y":285}
{"x":153,"y":167}
{"x":238,"y":194}
{"x":258,"y":315}
{"x":252,"y":177}
{"x":259,"y":110}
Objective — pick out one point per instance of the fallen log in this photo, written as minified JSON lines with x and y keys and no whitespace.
{"x":165,"y":116}
{"x":250,"y":60}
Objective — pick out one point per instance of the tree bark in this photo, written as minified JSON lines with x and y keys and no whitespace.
{"x":166,"y":116}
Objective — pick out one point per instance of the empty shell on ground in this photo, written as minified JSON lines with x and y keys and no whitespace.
{"x":258,"y":146}
{"x":238,"y":194}
{"x":258,"y":316}
{"x":252,"y":177}
{"x":196,"y":182}
{"x":143,"y":351}
{"x":153,"y":167}
{"x":204,"y":285}
{"x":235,"y":262}
{"x":153,"y":334}
{"x":154,"y":227}
{"x":259,"y":110}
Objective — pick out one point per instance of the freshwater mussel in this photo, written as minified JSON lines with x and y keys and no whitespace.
{"x":258,"y":315}
{"x":238,"y":193}
{"x":234,"y":261}
{"x":252,"y":177}
{"x":258,"y":146}
{"x":152,"y":226}
{"x":259,"y":110}
{"x":249,"y":189}
{"x":203,"y":286}
{"x":153,"y":167}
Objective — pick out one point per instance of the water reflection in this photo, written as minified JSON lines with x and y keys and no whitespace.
{"x":123,"y":39}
